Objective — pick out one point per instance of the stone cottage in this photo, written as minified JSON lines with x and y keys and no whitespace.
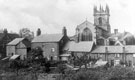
{"x":19,"y":46}
{"x":51,"y":44}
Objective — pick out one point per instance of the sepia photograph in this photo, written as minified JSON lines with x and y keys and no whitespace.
{"x":67,"y":40}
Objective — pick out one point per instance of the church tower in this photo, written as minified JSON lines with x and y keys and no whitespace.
{"x":101,"y":20}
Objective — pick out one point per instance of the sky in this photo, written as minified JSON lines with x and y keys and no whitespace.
{"x":51,"y":15}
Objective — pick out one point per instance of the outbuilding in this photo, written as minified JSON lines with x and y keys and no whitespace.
{"x":19,"y":46}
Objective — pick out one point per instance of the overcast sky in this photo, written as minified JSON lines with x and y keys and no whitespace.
{"x":52,"y":15}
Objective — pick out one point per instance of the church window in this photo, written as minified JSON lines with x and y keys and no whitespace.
{"x":100,"y":20}
{"x":87,"y":35}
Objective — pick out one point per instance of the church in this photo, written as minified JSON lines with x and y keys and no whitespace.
{"x":98,"y":31}
{"x":92,"y":39}
{"x":97,"y":41}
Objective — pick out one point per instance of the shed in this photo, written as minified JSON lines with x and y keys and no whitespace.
{"x":19,"y":46}
{"x":65,"y":57}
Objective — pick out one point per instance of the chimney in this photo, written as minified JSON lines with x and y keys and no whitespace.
{"x":106,"y":49}
{"x":123,"y":49}
{"x":106,"y":42}
{"x":64,"y":31}
{"x":38,"y":32}
{"x":115,"y":31}
{"x":5,"y":31}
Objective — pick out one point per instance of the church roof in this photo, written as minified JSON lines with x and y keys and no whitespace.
{"x":48,"y":38}
{"x":84,"y":46}
{"x":85,"y":24}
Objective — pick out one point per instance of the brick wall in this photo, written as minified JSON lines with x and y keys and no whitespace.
{"x":50,"y":50}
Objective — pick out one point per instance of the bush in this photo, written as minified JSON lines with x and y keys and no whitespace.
{"x":113,"y":73}
{"x":60,"y":68}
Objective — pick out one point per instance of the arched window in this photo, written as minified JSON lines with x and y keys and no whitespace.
{"x":87,"y":35}
{"x":100,"y":20}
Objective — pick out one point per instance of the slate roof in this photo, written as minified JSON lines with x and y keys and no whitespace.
{"x":103,"y":28}
{"x":84,"y":46}
{"x":130,"y":49}
{"x":121,"y":36}
{"x":114,"y":49}
{"x":15,"y":41}
{"x":73,"y":38}
{"x":48,"y":38}
{"x":84,"y":23}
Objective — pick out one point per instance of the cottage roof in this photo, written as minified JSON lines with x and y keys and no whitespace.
{"x":15,"y":41}
{"x":48,"y":38}
{"x":130,"y":49}
{"x":84,"y":46}
{"x":114,"y":49}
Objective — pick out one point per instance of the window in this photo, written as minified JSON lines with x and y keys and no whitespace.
{"x":117,"y":55}
{"x":134,"y":55}
{"x":52,"y":49}
{"x":10,"y":54}
{"x":100,"y":20}
{"x":51,"y":57}
{"x":87,"y":35}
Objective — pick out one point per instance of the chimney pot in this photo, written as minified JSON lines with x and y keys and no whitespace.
{"x":123,"y":48}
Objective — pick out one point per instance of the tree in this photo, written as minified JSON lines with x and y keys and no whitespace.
{"x":83,"y":60}
{"x":61,"y":68}
{"x":26,"y":33}
{"x":120,"y":73}
{"x":38,"y":32}
{"x":36,"y":53}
